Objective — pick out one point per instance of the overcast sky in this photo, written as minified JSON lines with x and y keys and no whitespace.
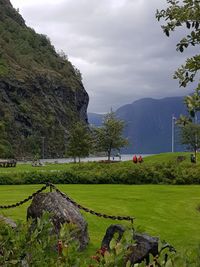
{"x":118,"y":46}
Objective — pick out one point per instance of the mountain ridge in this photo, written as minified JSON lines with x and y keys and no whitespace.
{"x":41,"y":92}
{"x":148,"y":124}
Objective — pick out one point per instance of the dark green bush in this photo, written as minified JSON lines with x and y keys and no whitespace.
{"x":98,"y":173}
{"x":28,"y":245}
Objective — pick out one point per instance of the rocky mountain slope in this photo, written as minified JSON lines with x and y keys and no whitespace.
{"x":149,"y":124}
{"x":41,"y":92}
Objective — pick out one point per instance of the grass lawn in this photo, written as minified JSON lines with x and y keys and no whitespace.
{"x":161,"y":210}
{"x":159,"y":158}
{"x":169,"y":157}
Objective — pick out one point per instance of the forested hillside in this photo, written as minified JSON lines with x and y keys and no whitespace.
{"x":41,"y":92}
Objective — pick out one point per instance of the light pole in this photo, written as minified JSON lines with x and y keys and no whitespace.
{"x":173,"y":123}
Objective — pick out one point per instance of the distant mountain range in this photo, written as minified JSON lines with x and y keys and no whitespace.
{"x":148,"y":124}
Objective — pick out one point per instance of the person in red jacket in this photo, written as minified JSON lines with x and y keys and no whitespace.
{"x":135,"y":159}
{"x":140,"y":159}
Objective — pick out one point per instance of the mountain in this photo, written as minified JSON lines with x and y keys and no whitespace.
{"x":41,"y":92}
{"x":95,"y":119}
{"x":148,"y":124}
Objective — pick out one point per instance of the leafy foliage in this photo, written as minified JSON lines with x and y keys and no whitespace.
{"x":164,"y":172}
{"x":28,"y":246}
{"x":79,"y":142}
{"x":186,"y":14}
{"x":191,"y":136}
{"x":38,"y":246}
{"x":183,"y":14}
{"x":109,"y":136}
{"x":189,"y":125}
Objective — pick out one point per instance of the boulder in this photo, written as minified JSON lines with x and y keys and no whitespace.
{"x":111,"y":230}
{"x":61,"y":211}
{"x":141,"y":250}
{"x":144,"y":244}
{"x":180,"y":158}
{"x":8,"y":221}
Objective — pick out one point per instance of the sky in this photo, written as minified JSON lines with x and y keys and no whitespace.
{"x":118,"y":45}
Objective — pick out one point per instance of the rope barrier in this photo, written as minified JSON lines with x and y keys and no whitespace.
{"x":98,"y":214}
{"x":25,"y":200}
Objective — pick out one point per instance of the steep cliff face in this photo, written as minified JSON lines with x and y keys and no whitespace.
{"x":41,"y":92}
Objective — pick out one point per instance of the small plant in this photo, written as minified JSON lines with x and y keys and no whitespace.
{"x":38,"y":246}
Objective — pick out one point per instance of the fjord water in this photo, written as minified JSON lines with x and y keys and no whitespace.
{"x":124,"y":157}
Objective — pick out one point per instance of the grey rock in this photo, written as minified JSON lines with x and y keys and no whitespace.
{"x":140,"y":251}
{"x":145,"y":245}
{"x":180,"y":158}
{"x":8,"y":221}
{"x":61,"y":211}
{"x":111,"y":230}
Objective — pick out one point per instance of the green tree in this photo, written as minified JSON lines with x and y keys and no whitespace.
{"x":193,"y":104}
{"x":79,"y":142}
{"x":184,"y":14}
{"x":109,"y":136}
{"x":190,"y":136}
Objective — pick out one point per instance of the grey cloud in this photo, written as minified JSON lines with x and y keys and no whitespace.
{"x":118,"y":46}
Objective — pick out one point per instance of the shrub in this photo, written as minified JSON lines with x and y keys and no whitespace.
{"x":118,"y":173}
{"x":38,"y":246}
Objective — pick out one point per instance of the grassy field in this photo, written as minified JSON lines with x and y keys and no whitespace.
{"x":169,"y":157}
{"x":159,"y":158}
{"x":166,"y":211}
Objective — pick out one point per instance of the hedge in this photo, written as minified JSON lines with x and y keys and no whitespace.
{"x":168,"y":173}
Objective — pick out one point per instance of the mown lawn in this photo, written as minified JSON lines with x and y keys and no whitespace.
{"x":161,"y":210}
{"x":169,"y":157}
{"x":159,"y":158}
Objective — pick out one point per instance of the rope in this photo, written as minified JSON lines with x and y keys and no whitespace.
{"x":25,"y":200}
{"x":98,"y":214}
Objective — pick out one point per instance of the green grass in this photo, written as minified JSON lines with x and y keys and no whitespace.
{"x":29,"y":168}
{"x":166,"y":211}
{"x":162,"y":210}
{"x":168,"y":157}
{"x":159,"y":158}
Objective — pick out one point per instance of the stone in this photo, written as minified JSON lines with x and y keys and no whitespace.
{"x":140,"y":251}
{"x":180,"y":158}
{"x":145,"y":245}
{"x":8,"y":221}
{"x":61,"y":211}
{"x":111,"y":230}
